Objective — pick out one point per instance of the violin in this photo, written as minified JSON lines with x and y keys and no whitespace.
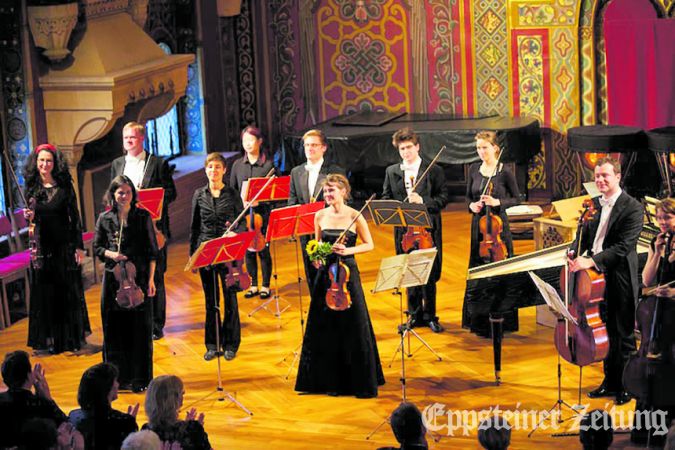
{"x":129,"y":295}
{"x":36,"y":259}
{"x":237,"y":277}
{"x":586,"y":341}
{"x":491,"y":247}
{"x":417,"y":238}
{"x":254,"y":222}
{"x":649,"y":373}
{"x":337,"y":295}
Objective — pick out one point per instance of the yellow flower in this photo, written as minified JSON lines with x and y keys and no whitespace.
{"x":312,"y":247}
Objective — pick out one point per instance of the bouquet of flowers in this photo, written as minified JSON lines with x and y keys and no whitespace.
{"x":318,"y":251}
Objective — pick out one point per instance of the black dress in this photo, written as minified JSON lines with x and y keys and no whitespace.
{"x":127,"y":333}
{"x":476,"y":309}
{"x":189,"y":434}
{"x":339,"y":351}
{"x":106,"y":431}
{"x":58,"y":312}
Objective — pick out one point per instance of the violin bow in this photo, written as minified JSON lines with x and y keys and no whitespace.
{"x":494,"y":173}
{"x":424,"y":174}
{"x":252,"y":201}
{"x":344,"y":232}
{"x":655,"y":288}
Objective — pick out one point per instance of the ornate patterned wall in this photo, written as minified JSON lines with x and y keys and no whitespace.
{"x":542,"y":58}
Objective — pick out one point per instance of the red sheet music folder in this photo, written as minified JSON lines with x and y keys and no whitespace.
{"x":296,"y":220}
{"x":152,"y":200}
{"x":278,"y":189}
{"x":220,"y":250}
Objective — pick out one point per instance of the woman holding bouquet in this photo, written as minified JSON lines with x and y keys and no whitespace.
{"x":339,"y":351}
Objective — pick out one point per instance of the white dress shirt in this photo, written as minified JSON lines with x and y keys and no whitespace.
{"x":410,"y":172}
{"x":607,"y":205}
{"x":134,"y":168}
{"x":313,"y":172}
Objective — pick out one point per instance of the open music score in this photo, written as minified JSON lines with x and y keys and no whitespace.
{"x":151,"y":200}
{"x":220,"y":250}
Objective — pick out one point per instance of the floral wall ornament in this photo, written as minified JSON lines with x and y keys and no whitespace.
{"x":51,"y":27}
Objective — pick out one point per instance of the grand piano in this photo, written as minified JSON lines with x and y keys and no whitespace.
{"x":511,"y":277}
{"x":361,"y":142}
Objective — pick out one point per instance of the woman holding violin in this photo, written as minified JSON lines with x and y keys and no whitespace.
{"x":58,"y":319}
{"x":255,"y":164}
{"x":126,"y":241}
{"x":415,"y":180}
{"x":339,"y":350}
{"x":490,"y":190}
{"x":213,"y":207}
{"x":648,"y":375}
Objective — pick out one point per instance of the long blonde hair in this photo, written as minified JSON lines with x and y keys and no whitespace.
{"x":163,"y":400}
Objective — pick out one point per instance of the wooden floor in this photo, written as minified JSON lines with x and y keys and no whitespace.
{"x":282,"y":418}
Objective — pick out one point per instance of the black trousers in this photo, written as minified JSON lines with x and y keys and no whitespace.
{"x":265,"y":265}
{"x":230,"y":328}
{"x":620,"y":348}
{"x":422,"y":303}
{"x":159,"y":300}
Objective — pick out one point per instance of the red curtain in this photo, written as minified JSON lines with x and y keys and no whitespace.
{"x":640,"y":50}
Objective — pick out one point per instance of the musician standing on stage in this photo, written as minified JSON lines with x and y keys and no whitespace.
{"x":504,"y":194}
{"x":398,"y":183}
{"x":608,"y":245}
{"x":306,"y":182}
{"x":149,"y":171}
{"x":254,"y":164}
{"x":214,"y":207}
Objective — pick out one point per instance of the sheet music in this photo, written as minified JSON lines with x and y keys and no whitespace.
{"x":419,"y":267}
{"x":551,"y":297}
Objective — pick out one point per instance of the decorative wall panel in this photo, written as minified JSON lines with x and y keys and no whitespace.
{"x":491,"y":56}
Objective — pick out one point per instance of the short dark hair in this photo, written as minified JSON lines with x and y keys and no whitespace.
{"x":215,"y":157}
{"x":406,"y":423}
{"x":95,"y":385}
{"x":595,"y":430}
{"x":404,"y":135}
{"x":16,"y":368}
{"x":494,"y":433}
{"x":115,"y":183}
{"x":38,"y":434}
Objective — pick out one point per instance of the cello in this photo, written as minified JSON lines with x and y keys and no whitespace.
{"x":649,"y":373}
{"x":583,"y":341}
{"x":337,"y":295}
{"x":417,"y":238}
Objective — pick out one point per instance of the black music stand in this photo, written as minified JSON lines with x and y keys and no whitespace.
{"x":400,"y":214}
{"x":398,"y":272}
{"x":552,"y":299}
{"x":294,"y":221}
{"x":208,"y":255}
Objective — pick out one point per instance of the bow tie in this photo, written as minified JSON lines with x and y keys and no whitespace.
{"x":604,"y":203}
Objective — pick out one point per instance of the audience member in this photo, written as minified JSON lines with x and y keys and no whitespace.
{"x":41,"y":434}
{"x":595,"y":430}
{"x":142,"y":440}
{"x":102,"y":426}
{"x":19,"y":404}
{"x":408,"y":427}
{"x":162,"y":403}
{"x":494,"y":433}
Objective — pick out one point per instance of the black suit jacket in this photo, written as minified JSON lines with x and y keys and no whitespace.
{"x":157,"y":174}
{"x":618,"y":259}
{"x":300,"y":194}
{"x":434,"y":195}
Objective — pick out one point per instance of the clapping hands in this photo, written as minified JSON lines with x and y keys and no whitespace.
{"x":40,"y":382}
{"x":192,"y":415}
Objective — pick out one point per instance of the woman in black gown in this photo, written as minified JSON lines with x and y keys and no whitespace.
{"x":504,"y":195}
{"x":58,"y":313}
{"x":125,"y":233}
{"x":339,"y":351}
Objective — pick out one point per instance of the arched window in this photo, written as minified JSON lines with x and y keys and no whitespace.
{"x":163,"y":138}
